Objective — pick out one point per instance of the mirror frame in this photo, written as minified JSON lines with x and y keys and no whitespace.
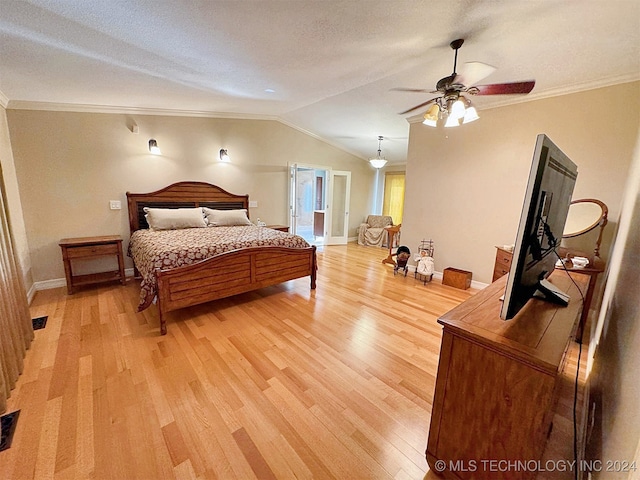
{"x":601,"y":222}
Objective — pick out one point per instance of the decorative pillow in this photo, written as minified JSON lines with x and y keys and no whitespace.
{"x":174,"y":218}
{"x":226,"y":218}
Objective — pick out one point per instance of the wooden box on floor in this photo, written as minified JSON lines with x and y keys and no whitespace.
{"x":454,"y":277}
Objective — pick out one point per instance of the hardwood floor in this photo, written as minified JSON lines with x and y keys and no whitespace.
{"x":280,"y":383}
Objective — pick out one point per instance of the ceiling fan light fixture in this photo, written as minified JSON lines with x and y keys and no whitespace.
{"x":429,"y":122}
{"x":457,"y":109}
{"x":470,"y":115}
{"x":431,"y":117}
{"x":452,"y":105}
{"x":452,"y":121}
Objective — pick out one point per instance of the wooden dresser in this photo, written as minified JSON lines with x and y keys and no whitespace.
{"x":595,"y":267}
{"x":497,"y":382}
{"x":503,"y":263}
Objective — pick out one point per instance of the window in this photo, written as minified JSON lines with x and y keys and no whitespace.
{"x":393,"y":202}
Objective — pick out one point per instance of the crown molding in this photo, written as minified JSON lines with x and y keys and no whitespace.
{"x":322,"y":139}
{"x":87,"y":108}
{"x":555,"y":92}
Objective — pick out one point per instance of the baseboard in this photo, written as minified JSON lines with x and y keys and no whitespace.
{"x":49,"y":284}
{"x":31,"y":293}
{"x":60,"y":282}
{"x":479,"y":285}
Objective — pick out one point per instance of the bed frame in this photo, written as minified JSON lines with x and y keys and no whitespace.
{"x":223,"y":275}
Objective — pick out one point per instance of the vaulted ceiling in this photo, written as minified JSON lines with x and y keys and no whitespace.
{"x":326,"y":67}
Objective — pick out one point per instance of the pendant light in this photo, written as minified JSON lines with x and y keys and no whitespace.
{"x":379,"y":161}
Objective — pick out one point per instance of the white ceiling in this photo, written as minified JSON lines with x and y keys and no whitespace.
{"x":330,"y":64}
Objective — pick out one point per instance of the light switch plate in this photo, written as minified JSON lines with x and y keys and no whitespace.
{"x":253,"y":204}
{"x":115,"y":204}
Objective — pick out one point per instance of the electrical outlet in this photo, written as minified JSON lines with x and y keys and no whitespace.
{"x":115,"y":204}
{"x":253,"y":204}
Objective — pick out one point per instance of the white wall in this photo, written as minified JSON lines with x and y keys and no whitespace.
{"x":613,"y":353}
{"x":465,"y":185}
{"x":69,"y":165}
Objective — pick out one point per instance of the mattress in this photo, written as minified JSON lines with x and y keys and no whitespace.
{"x":166,"y":249}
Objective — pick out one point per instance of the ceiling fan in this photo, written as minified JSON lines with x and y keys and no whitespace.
{"x":453,"y":105}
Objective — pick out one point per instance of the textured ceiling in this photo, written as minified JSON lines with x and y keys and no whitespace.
{"x":323,"y":66}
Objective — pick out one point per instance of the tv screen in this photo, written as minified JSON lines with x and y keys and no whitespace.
{"x":544,"y":212}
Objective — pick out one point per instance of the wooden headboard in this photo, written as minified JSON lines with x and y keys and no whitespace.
{"x":182,"y":195}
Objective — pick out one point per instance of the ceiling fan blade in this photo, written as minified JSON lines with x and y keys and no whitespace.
{"x":417,"y":90}
{"x":418,"y":106}
{"x":472,"y":72}
{"x":505,"y":88}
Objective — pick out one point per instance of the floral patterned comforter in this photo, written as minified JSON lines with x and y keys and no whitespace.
{"x":175,"y":248}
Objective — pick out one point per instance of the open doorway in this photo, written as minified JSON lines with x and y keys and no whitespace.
{"x":319,"y":204}
{"x":307,"y":198}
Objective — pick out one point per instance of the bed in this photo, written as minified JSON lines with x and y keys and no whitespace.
{"x":259,"y":257}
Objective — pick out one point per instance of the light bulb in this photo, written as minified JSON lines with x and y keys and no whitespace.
{"x":431,"y":117}
{"x":452,"y":122}
{"x":457,"y":109}
{"x":470,"y":115}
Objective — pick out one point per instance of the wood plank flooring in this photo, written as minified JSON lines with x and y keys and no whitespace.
{"x":280,"y":383}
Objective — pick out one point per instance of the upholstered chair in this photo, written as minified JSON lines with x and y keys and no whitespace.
{"x":373,"y":232}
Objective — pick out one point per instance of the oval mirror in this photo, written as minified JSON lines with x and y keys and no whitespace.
{"x":584,"y":215}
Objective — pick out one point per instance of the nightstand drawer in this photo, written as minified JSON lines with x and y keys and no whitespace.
{"x":92,"y":251}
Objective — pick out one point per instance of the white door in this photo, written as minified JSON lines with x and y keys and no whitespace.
{"x":339,"y":196}
{"x":307,"y":196}
{"x":293,"y":193}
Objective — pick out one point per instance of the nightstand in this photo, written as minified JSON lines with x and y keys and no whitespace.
{"x":282,"y":228}
{"x":88,"y":248}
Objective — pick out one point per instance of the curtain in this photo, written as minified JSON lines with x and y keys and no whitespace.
{"x":16,"y":329}
{"x":393,"y":202}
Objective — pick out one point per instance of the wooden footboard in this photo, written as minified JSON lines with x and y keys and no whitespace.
{"x":231,"y":273}
{"x":222,"y":275}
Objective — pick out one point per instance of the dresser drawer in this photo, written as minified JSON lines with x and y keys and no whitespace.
{"x":503,"y":259}
{"x":499,"y":272}
{"x":502,"y":264}
{"x":92,"y":250}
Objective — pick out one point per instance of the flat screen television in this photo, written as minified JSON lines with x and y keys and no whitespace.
{"x":544,"y":212}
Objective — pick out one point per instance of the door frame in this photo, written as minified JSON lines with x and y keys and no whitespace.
{"x":292,"y":195}
{"x":343,"y":239}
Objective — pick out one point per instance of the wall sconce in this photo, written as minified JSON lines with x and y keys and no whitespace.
{"x":224,"y":156}
{"x":153,"y":147}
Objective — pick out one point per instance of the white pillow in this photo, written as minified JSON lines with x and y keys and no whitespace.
{"x":226,"y":218}
{"x":174,"y":218}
